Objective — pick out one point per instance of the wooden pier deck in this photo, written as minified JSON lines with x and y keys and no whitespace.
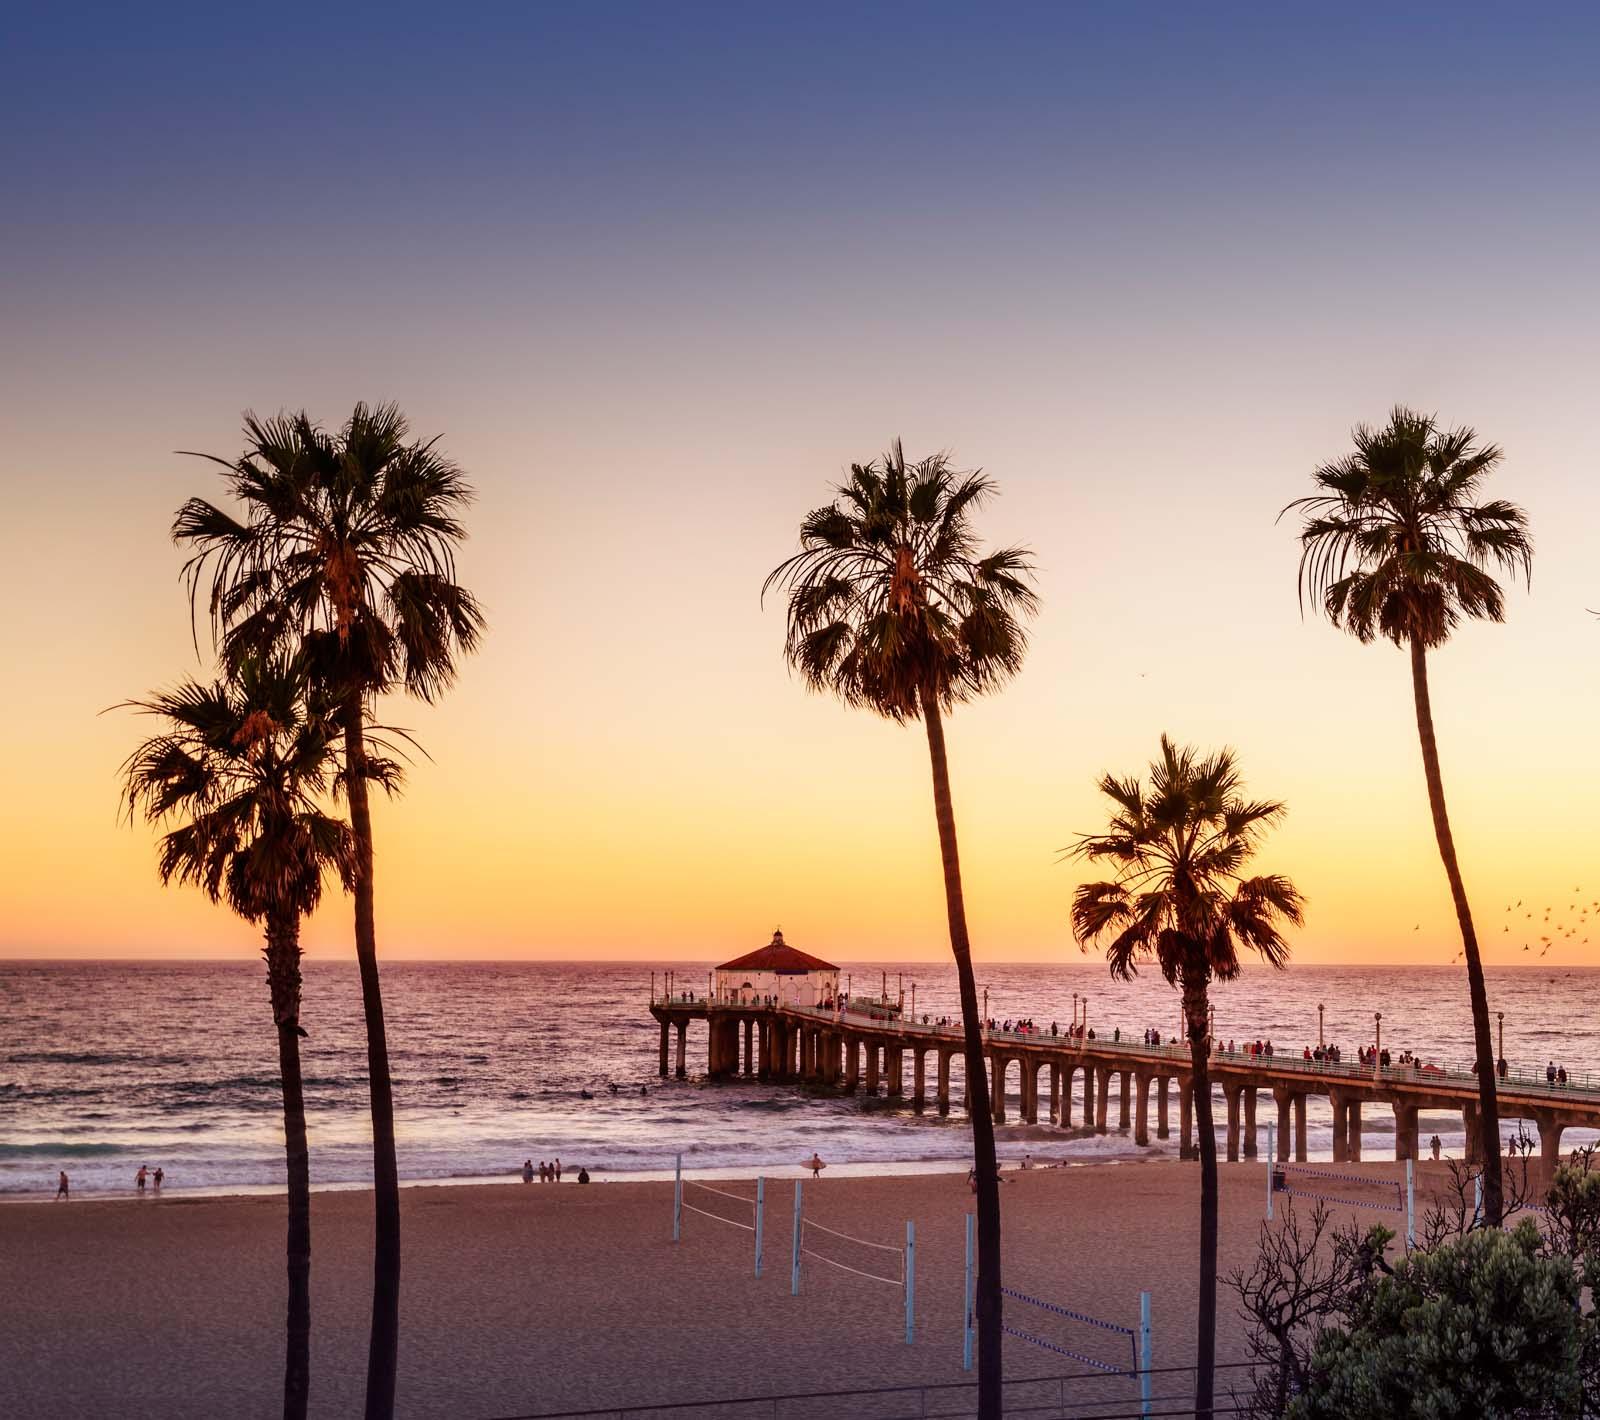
{"x":854,"y":1052}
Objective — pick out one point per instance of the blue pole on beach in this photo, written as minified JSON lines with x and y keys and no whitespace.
{"x":966,"y":1303}
{"x":1272,"y":1155}
{"x":1144,"y":1353}
{"x":761,"y":1199}
{"x":911,"y":1279}
{"x":1411,"y":1204}
{"x":794,"y":1270}
{"x":677,"y":1198}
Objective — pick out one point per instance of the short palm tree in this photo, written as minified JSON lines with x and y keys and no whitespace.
{"x":1181,"y":900}
{"x":345,"y":547}
{"x":893,"y":608}
{"x":1396,"y":543}
{"x":240,"y":767}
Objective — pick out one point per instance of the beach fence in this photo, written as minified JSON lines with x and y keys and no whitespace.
{"x":882,"y":1263}
{"x":1108,"y":1348}
{"x":734,"y":1210}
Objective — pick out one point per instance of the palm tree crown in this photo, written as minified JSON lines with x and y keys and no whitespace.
{"x":1396,"y":544}
{"x":243,"y":763}
{"x":1180,"y":897}
{"x":346,"y":540}
{"x":889,"y":597}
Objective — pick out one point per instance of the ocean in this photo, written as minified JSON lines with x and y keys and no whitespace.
{"x":105,"y":1066}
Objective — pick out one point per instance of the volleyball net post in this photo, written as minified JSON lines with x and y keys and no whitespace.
{"x":1145,"y":1358}
{"x":1272,"y":1162}
{"x":1411,"y":1204}
{"x":761,"y":1208}
{"x":799,"y":1215}
{"x":911,"y":1281}
{"x":677,"y":1198}
{"x":966,"y":1302}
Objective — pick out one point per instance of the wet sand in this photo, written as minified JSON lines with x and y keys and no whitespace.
{"x":520,"y":1299}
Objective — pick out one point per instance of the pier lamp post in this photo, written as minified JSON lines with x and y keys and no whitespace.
{"x":1377,"y":1047}
{"x":985,"y":1010}
{"x":1500,"y":1016}
{"x":1074,"y":1011}
{"x":913,"y":1003}
{"x":1319,"y":1025}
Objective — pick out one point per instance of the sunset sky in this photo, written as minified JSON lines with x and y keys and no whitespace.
{"x":655,"y":274}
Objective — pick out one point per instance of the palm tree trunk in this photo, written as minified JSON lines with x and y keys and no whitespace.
{"x":383,"y":1347}
{"x":1488,"y":1105}
{"x":990,"y":1337}
{"x":1196,"y":1015}
{"x":283,"y":978}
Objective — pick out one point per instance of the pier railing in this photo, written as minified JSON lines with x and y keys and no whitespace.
{"x":1584,"y":1085}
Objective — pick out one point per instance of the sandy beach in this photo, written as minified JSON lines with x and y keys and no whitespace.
{"x":524,"y":1299}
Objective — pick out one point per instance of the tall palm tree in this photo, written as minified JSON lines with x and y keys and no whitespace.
{"x":892,"y":607}
{"x":240,"y":766}
{"x":1396,"y":544}
{"x":345,"y":545}
{"x":1181,"y":900}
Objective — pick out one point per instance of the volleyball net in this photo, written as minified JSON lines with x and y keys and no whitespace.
{"x":886,"y":1264}
{"x":724,"y":1205}
{"x":1346,"y":1190}
{"x":1105,"y":1346}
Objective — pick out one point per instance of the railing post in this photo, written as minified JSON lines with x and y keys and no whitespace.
{"x":677,"y":1198}
{"x":1144,"y":1354}
{"x":794,"y":1270}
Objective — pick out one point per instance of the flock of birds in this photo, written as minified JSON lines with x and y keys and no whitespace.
{"x":1560,"y":932}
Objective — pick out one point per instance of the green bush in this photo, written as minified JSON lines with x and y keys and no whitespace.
{"x":1485,"y":1326}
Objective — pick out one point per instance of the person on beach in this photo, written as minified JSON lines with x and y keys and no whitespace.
{"x":527,"y":1170}
{"x":1434,"y":1145}
{"x":63,"y":1186}
{"x":543,"y":1169}
{"x":139,"y":1178}
{"x":815,"y":1164}
{"x":157,"y":1177}
{"x":555,"y":1171}
{"x":583,"y":1175}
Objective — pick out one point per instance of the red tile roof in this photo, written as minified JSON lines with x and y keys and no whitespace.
{"x":778,"y":956}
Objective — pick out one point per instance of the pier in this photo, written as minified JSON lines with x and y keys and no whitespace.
{"x":864,"y":1052}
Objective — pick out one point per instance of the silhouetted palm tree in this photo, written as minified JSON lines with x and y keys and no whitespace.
{"x":241,"y":765}
{"x":892,"y":607}
{"x":1395,"y":544}
{"x":346,"y":546}
{"x":1180,"y":899}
